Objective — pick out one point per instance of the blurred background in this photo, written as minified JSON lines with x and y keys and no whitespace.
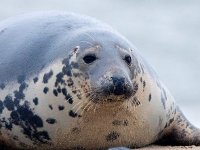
{"x":166,"y":32}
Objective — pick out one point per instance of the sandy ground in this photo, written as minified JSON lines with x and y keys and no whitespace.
{"x":155,"y":147}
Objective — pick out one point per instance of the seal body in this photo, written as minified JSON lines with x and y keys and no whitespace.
{"x":70,"y":81}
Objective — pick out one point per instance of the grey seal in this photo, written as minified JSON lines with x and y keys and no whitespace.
{"x":70,"y":81}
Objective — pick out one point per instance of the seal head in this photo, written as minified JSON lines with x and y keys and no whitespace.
{"x":109,"y":71}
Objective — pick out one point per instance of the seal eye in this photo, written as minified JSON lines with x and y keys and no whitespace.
{"x":128,"y":59}
{"x":89,"y":59}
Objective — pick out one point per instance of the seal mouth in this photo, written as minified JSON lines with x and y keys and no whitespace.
{"x":112,"y":89}
{"x":102,"y":97}
{"x":111,"y":100}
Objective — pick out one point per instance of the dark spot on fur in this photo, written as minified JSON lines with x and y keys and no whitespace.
{"x":116,"y":122}
{"x":79,"y":96}
{"x":35,"y":101}
{"x":27,"y":115}
{"x":1,"y":106}
{"x":187,"y":124}
{"x":70,"y":82}
{"x":35,"y":80}
{"x":15,"y":138}
{"x":51,"y":120}
{"x":74,"y":50}
{"x":59,"y":79}
{"x":51,"y":107}
{"x":8,"y":125}
{"x":149,"y":97}
{"x":59,"y":90}
{"x":120,"y":122}
{"x":61,"y":108}
{"x":55,"y":92}
{"x":30,"y":122}
{"x":64,"y":91}
{"x":67,"y":68}
{"x":45,"y":90}
{"x":79,"y":148}
{"x":76,"y":74}
{"x":35,"y":121}
{"x":2,"y":86}
{"x":67,"y":71}
{"x":135,"y":101}
{"x":72,"y":114}
{"x":144,"y":84}
{"x":75,"y":91}
{"x":8,"y":103}
{"x":170,"y":121}
{"x":19,"y":95}
{"x":75,"y":130}
{"x":141,"y":79}
{"x":112,"y":136}
{"x":67,"y":96}
{"x":21,"y":79}
{"x":135,"y":88}
{"x":74,"y":64}
{"x":65,"y":61}
{"x":15,"y":117}
{"x":47,"y":76}
{"x":69,"y":99}
{"x":23,"y":86}
{"x":42,"y":136}
{"x":125,"y":122}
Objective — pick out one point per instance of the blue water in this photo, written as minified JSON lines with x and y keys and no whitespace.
{"x":166,"y":32}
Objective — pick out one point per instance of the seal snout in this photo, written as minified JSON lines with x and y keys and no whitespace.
{"x":118,"y":87}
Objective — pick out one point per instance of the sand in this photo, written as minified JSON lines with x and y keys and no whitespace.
{"x":155,"y":147}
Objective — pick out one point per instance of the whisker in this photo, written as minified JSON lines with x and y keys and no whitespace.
{"x":96,"y":105}
{"x":83,"y":108}
{"x":79,"y":108}
{"x":82,"y":92}
{"x":91,"y":105}
{"x":86,"y":105}
{"x":76,"y":104}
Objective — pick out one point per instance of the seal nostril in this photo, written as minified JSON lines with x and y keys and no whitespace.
{"x":118,"y":80}
{"x":119,"y":85}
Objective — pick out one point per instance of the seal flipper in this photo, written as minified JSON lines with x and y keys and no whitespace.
{"x":180,"y":132}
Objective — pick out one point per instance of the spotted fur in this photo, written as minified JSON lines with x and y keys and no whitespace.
{"x":51,"y":98}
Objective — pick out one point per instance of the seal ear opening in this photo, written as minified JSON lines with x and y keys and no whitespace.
{"x":180,"y":133}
